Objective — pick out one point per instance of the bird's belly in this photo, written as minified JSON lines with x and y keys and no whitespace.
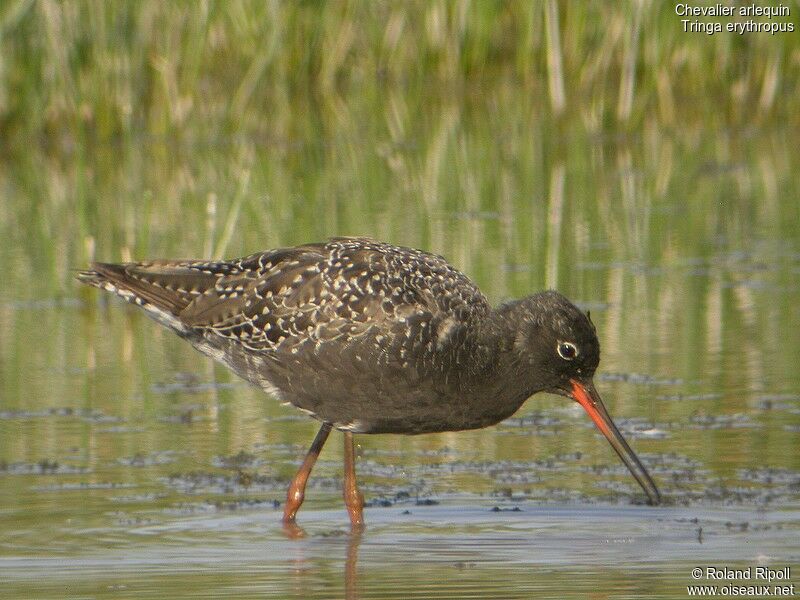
{"x":404,"y":409}
{"x":353,"y":396}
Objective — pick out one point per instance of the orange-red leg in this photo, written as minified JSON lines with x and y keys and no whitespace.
{"x":297,"y":489}
{"x":353,"y":498}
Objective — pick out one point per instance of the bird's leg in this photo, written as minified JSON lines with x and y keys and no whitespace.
{"x":353,"y":498}
{"x":297,"y":489}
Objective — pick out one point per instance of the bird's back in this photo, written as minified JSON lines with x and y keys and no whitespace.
{"x":327,"y":326}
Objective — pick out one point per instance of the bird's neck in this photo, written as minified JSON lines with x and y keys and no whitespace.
{"x":498,"y":376}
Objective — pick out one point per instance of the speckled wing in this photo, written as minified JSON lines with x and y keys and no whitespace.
{"x":273,"y":298}
{"x":314,"y":294}
{"x":323,"y":326}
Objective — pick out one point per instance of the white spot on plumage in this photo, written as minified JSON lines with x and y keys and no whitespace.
{"x":444,"y":330}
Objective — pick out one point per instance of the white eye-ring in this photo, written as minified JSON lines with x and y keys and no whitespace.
{"x":567,"y":350}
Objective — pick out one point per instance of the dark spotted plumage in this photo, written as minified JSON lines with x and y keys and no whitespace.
{"x":366,"y":336}
{"x":312,"y":323}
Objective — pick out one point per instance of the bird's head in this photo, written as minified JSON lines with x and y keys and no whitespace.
{"x":555,"y":342}
{"x":556,"y":349}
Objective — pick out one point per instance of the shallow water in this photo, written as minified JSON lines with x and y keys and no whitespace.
{"x":453,"y":550}
{"x":166,"y":479}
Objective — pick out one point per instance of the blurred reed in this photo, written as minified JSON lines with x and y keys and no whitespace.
{"x":135,"y":129}
{"x":78,"y":68}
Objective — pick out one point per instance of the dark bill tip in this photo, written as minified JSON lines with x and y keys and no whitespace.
{"x":586,"y":395}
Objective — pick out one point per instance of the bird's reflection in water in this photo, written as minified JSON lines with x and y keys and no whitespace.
{"x":351,"y":565}
{"x":294,"y":532}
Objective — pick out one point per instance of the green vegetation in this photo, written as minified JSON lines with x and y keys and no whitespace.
{"x":208,"y":128}
{"x":78,"y":70}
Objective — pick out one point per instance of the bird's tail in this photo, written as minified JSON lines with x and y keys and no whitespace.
{"x":158,"y":288}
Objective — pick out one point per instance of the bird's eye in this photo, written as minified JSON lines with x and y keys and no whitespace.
{"x":567,"y":350}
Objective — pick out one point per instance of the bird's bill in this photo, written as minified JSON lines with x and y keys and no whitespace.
{"x":584,"y":393}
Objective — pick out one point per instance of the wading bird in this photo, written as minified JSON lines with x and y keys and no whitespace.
{"x":367,"y":337}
